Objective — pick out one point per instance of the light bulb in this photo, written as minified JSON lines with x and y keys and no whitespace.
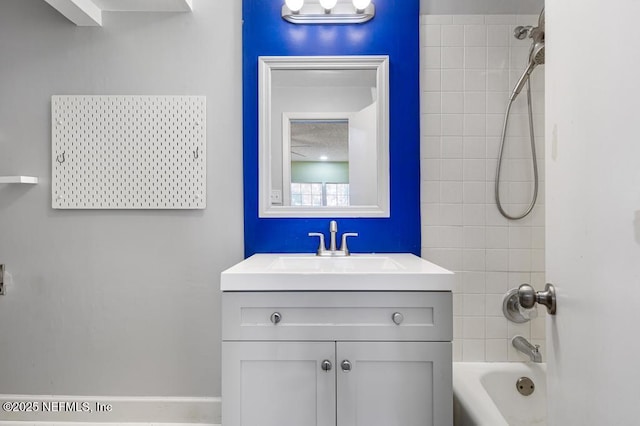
{"x":361,"y":5}
{"x":294,"y":5}
{"x":328,"y":4}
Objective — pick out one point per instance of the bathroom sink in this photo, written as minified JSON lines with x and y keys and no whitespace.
{"x":351,"y":264}
{"x":378,"y":272}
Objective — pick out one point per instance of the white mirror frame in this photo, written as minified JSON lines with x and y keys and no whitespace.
{"x":267,"y":64}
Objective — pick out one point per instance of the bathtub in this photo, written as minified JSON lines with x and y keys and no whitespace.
{"x":485,"y":394}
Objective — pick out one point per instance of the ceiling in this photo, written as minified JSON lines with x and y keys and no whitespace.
{"x":311,"y":139}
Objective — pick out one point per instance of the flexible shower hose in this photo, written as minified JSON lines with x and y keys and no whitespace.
{"x":533,"y":155}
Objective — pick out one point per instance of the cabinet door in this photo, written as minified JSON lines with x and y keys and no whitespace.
{"x":278,"y":384}
{"x":394,"y":384}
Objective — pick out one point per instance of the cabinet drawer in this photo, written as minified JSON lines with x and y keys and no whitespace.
{"x":424,"y":316}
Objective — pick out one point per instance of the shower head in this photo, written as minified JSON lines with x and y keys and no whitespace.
{"x":536,"y":55}
{"x":537,"y":35}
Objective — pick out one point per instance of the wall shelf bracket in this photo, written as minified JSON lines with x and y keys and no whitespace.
{"x":19,"y":179}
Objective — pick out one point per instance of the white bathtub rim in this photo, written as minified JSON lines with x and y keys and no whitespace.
{"x":467,"y":387}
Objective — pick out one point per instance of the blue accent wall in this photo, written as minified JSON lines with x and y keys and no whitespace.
{"x":394,"y":32}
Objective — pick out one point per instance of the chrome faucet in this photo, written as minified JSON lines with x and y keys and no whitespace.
{"x":333,"y":251}
{"x":522,"y":345}
{"x":333,"y":230}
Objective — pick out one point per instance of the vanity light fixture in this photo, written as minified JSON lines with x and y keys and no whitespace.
{"x":328,"y":11}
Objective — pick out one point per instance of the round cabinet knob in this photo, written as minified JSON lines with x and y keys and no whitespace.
{"x":346,"y":365}
{"x":276,"y":317}
{"x":397,"y":318}
{"x":326,"y":365}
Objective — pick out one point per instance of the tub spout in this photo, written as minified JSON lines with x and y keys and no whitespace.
{"x":522,"y":345}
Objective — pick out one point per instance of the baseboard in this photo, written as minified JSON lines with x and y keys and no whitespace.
{"x":87,"y":410}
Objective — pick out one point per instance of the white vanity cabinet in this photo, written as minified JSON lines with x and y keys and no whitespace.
{"x":278,"y":383}
{"x":336,"y":358}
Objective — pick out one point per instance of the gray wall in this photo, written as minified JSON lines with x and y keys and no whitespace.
{"x":480,"y":7}
{"x":115,"y":302}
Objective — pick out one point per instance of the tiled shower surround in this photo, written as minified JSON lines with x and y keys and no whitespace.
{"x":470,"y":64}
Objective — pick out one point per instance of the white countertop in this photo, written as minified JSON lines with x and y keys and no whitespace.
{"x":358,"y":272}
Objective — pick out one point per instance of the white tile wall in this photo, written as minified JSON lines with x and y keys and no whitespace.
{"x":469,"y":66}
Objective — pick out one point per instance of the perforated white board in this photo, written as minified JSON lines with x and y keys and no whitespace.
{"x":128,"y":152}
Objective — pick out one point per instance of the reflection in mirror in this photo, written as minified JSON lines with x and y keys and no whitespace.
{"x":319,"y":166}
{"x":323,"y":137}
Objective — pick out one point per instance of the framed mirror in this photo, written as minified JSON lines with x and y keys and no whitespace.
{"x":323,"y":136}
